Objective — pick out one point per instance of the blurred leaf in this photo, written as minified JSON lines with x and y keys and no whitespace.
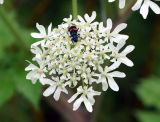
{"x":31,"y":92}
{"x":148,"y":91}
{"x":7,"y":89}
{"x":6,"y":37}
{"x":148,"y":116}
{"x":14,"y":42}
{"x":13,"y":28}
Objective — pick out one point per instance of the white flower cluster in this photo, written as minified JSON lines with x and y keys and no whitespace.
{"x":91,"y":61}
{"x":143,"y":5}
{"x":1,"y":1}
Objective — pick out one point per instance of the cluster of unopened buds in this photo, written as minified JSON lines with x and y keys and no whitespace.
{"x":143,"y":5}
{"x":80,"y":54}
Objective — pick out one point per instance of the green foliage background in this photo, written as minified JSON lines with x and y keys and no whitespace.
{"x":20,"y":101}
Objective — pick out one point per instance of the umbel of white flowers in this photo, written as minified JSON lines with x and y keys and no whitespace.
{"x":62,"y":64}
{"x":1,"y":1}
{"x":143,"y":5}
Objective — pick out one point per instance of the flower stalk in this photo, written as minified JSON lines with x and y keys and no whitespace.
{"x":74,"y":8}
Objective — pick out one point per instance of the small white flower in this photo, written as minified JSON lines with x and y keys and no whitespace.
{"x":106,"y":77}
{"x":114,"y":36}
{"x":56,"y":86}
{"x":120,"y":57}
{"x":74,"y":80}
{"x":40,"y":54}
{"x":86,"y":97}
{"x":42,"y":35}
{"x":1,"y":1}
{"x":144,"y":6}
{"x":87,"y":76}
{"x":121,"y":3}
{"x":87,"y":18}
{"x":35,"y":73}
{"x":68,"y":20}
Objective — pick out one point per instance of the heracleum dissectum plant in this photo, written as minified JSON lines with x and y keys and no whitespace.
{"x":62,"y":64}
{"x":143,"y":5}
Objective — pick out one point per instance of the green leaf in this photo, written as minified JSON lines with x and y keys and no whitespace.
{"x":31,"y":92}
{"x":6,"y":37}
{"x":6,"y":91}
{"x":148,"y":116}
{"x":148,"y":91}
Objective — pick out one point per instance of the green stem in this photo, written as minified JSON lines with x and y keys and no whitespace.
{"x":103,"y":10}
{"x":74,"y":8}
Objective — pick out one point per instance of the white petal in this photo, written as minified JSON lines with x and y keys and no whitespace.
{"x":45,"y":81}
{"x":93,"y":16}
{"x":77,"y":103}
{"x":128,"y":49}
{"x":31,"y":67}
{"x":122,"y":3}
{"x":38,"y":43}
{"x":88,"y":105}
{"x":87,"y":18}
{"x":112,"y":84}
{"x":91,"y":99}
{"x":100,"y":69}
{"x":37,"y":35}
{"x":73,"y":97}
{"x":154,"y":7}
{"x":117,"y":74}
{"x":36,"y":50}
{"x":120,"y":27}
{"x":137,"y":5}
{"x":109,"y":24}
{"x":50,"y":90}
{"x":50,"y":28}
{"x":30,"y":75}
{"x":33,"y":76}
{"x":111,"y":0}
{"x":95,"y":93}
{"x":80,"y":89}
{"x":126,"y":61}
{"x":120,"y":45}
{"x":104,"y":84}
{"x":80,"y":19}
{"x":57,"y":94}
{"x":106,"y":69}
{"x":41,"y":29}
{"x":65,"y":90}
{"x":114,"y":66}
{"x":144,"y":10}
{"x":118,"y":38}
